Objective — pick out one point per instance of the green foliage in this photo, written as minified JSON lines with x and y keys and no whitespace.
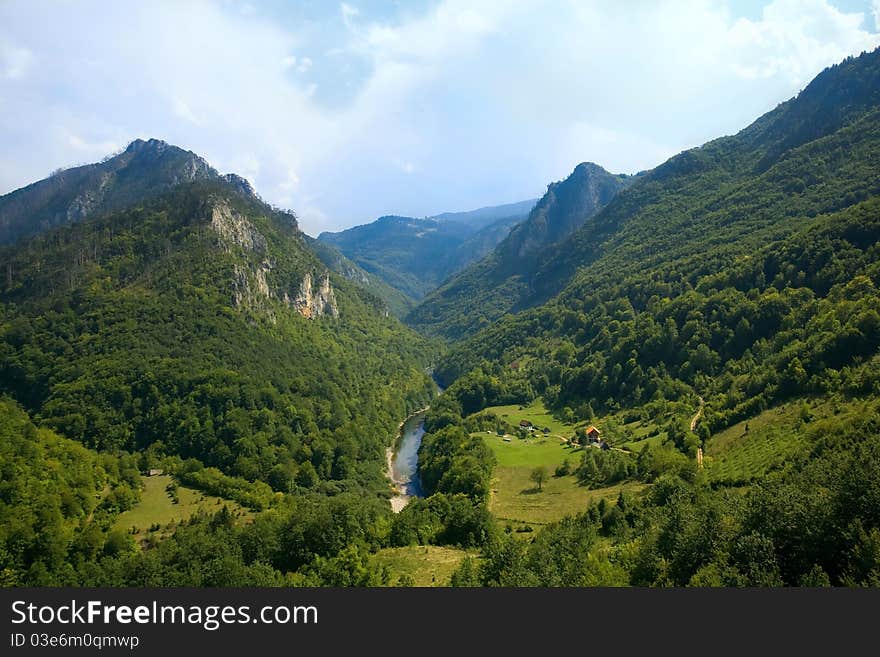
{"x":443,"y":519}
{"x":124,"y":332}
{"x":712,"y":275}
{"x":562,"y":554}
{"x":452,"y":461}
{"x":539,"y":476}
{"x":58,"y":501}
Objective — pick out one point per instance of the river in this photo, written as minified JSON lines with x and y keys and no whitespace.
{"x":403,"y":463}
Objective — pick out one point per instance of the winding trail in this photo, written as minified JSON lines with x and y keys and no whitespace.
{"x":699,"y":414}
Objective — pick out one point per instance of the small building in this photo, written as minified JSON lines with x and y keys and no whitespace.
{"x":155,"y":472}
{"x":593,"y":434}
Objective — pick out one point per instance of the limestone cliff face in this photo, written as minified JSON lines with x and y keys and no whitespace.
{"x":86,"y":202}
{"x":316,"y":299}
{"x":250,"y":284}
{"x":235,"y":229}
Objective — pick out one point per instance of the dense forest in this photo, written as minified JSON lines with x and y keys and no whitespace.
{"x":181,"y":330}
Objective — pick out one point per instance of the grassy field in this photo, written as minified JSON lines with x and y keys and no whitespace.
{"x":535,"y":413}
{"x":751,"y":449}
{"x":515,"y":499}
{"x":428,"y":565}
{"x":157,"y":508}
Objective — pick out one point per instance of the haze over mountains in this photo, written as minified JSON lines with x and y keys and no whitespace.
{"x":503,"y":280}
{"x":416,"y":255}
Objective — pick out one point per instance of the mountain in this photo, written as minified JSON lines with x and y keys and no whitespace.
{"x":482,"y":217}
{"x":504,"y":280}
{"x":398,"y":303}
{"x":745,"y":270}
{"x":69,"y":195}
{"x":415,"y":255}
{"x":197,"y":324}
{"x":716,"y":329}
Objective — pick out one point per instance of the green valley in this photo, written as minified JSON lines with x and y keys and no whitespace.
{"x":670,"y":378}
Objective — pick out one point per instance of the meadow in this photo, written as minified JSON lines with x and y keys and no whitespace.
{"x":156,"y":512}
{"x":515,"y":499}
{"x":427,"y":565}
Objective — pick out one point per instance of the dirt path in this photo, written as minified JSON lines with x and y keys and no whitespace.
{"x":696,"y":417}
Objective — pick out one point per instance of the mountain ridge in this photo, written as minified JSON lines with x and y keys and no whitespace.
{"x":144,"y":168}
{"x":414,"y":255}
{"x":502,"y":281}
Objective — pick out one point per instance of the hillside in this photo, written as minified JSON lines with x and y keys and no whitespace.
{"x":416,"y":255}
{"x":505,"y":280}
{"x":198,"y":324}
{"x":143,"y":169}
{"x":398,"y":303}
{"x":745,"y":270}
{"x":719,"y":322}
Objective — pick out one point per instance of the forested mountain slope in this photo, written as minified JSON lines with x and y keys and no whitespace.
{"x":416,"y":255}
{"x":398,"y":303}
{"x":198,"y":324}
{"x":746,"y":270}
{"x":503,"y":280}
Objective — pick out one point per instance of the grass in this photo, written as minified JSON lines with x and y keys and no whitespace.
{"x":749,"y":450}
{"x":536,"y":450}
{"x":537,"y":414}
{"x":157,"y":508}
{"x":515,"y":498}
{"x":428,"y":565}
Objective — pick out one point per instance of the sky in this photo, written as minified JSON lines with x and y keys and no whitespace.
{"x":343,"y":112}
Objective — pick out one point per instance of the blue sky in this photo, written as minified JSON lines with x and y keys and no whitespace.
{"x":347,"y":111}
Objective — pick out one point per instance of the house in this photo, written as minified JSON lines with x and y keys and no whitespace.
{"x":154,"y":472}
{"x":525,"y":424}
{"x":593,"y":434}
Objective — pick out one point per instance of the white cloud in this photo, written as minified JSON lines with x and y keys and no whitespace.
{"x":290,"y":183}
{"x":465,"y":104}
{"x":182,"y":110}
{"x":794,"y":39}
{"x":14,"y":61}
{"x":93,"y":149}
{"x":349,"y":13}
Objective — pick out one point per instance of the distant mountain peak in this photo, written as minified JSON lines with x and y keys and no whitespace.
{"x":151,"y":144}
{"x":145,"y":168}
